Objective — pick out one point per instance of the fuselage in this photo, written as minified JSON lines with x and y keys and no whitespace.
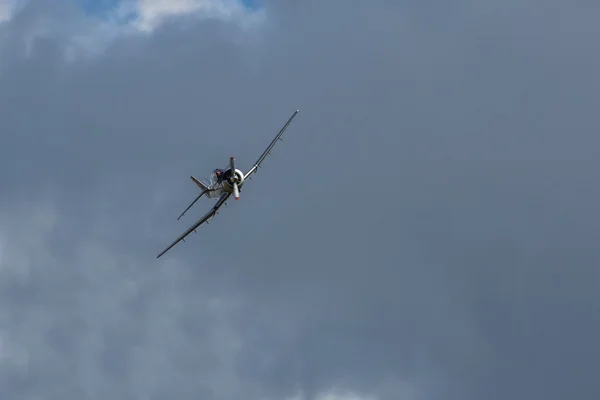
{"x":224,"y":179}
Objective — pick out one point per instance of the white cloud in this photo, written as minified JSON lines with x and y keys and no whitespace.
{"x":89,"y":35}
{"x":6,"y":10}
{"x":151,"y":13}
{"x":332,"y":395}
{"x":104,"y":284}
{"x":341,"y":396}
{"x":21,"y":242}
{"x":23,"y":245}
{"x":388,"y":388}
{"x":101,"y":286}
{"x":147,"y":15}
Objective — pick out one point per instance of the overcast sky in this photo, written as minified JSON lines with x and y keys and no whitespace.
{"x":427,"y":230}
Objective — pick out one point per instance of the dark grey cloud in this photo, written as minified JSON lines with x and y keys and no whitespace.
{"x":427,"y":229}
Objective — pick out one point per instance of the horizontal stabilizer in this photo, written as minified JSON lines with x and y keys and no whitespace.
{"x":204,"y":191}
{"x":200,"y":184}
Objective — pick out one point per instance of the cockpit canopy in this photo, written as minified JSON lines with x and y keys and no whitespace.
{"x":219,"y":174}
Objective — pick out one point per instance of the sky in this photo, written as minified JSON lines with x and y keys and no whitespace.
{"x":428,"y":229}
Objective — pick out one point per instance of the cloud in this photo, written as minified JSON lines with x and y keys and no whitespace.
{"x":5,"y":11}
{"x":150,"y":13}
{"x":9,"y":7}
{"x":147,"y":15}
{"x":332,"y":395}
{"x":426,"y":230}
{"x":90,"y":33}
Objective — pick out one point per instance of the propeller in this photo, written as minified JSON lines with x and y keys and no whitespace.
{"x":234,"y":179}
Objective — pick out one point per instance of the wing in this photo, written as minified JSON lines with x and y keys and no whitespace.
{"x":193,"y":202}
{"x":210,"y":214}
{"x":268,"y":150}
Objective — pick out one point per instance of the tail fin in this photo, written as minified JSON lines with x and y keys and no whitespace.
{"x":204,"y":190}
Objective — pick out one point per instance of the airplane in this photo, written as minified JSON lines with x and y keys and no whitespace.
{"x":223,"y":183}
